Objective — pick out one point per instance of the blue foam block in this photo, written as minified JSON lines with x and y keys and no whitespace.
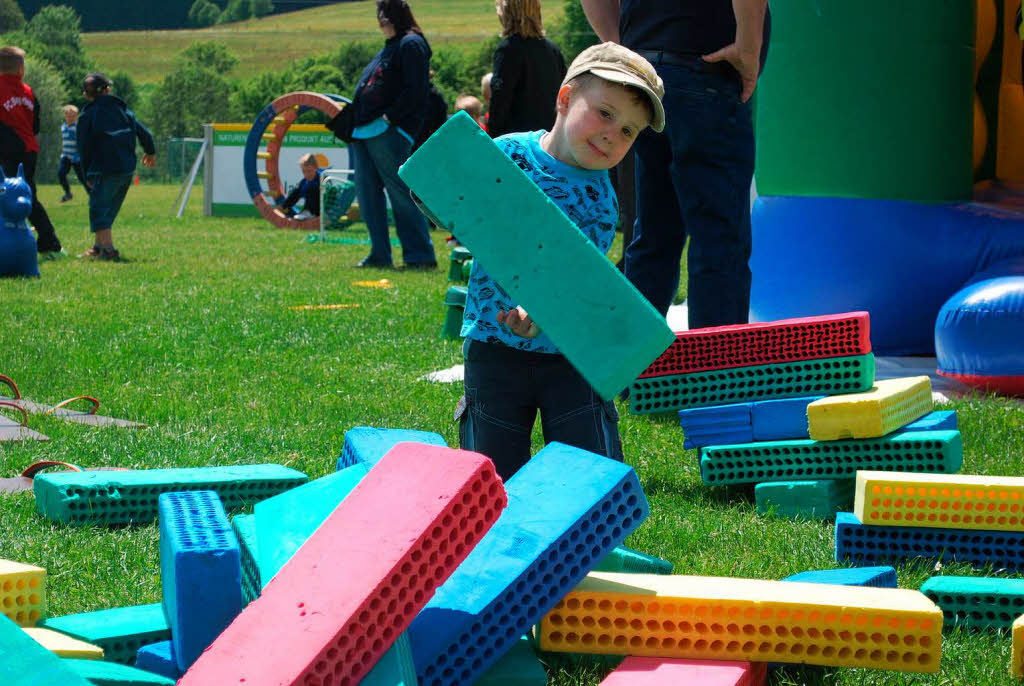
{"x":23,"y":662}
{"x":939,"y":420}
{"x":716,"y":425}
{"x":868,"y":544}
{"x":877,"y":577}
{"x":776,"y":420}
{"x":159,"y":659}
{"x":366,"y":444}
{"x":567,"y":509}
{"x":200,"y":571}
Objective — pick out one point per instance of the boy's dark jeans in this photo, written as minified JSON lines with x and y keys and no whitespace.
{"x":506,"y":387}
{"x":67,"y":165}
{"x":46,"y":236}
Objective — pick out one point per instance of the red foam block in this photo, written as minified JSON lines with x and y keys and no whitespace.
{"x":656,"y":671}
{"x":748,"y":345}
{"x":361,"y":578}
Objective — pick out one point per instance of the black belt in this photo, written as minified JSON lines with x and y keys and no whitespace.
{"x":722,"y":69}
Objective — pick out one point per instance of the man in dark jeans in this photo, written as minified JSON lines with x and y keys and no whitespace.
{"x":694,"y":178}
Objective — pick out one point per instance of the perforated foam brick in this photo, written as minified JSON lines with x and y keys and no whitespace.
{"x":745,"y":619}
{"x":779,"y":420}
{"x":976,"y":602}
{"x":623,"y":559}
{"x":307,"y":627}
{"x":26,"y":663}
{"x":1017,"y":648}
{"x":889,"y":405}
{"x":114,"y":674}
{"x":923,"y":451}
{"x":367,"y":444}
{"x":778,"y":342}
{"x":862,"y":544}
{"x":518,"y":667}
{"x":719,"y":425}
{"x":939,"y":420}
{"x":829,"y":376}
{"x":130,"y":497}
{"x":120,"y":631}
{"x":568,"y":508}
{"x":660,"y":671}
{"x":818,"y":498}
{"x":158,"y":658}
{"x":64,"y":645}
{"x":878,"y":577}
{"x":244,"y":526}
{"x":22,"y":592}
{"x":955,"y":501}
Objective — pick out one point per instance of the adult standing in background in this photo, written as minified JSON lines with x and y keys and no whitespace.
{"x":694,"y":178}
{"x":528,"y":71}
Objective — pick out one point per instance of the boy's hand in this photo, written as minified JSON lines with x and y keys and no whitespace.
{"x":149,"y":161}
{"x":519,"y":322}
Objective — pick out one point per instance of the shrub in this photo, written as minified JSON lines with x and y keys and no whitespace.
{"x":49,"y":88}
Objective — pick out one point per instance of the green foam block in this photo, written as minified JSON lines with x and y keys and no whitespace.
{"x":598,"y":320}
{"x":23,"y":662}
{"x":245,"y":528}
{"x":814,"y":499}
{"x":976,"y":602}
{"x":130,"y":497}
{"x":518,"y":667}
{"x":623,"y":559}
{"x":100,"y":673}
{"x":120,"y":631}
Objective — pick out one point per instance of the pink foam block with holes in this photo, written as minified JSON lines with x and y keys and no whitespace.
{"x":359,"y":580}
{"x":656,"y":671}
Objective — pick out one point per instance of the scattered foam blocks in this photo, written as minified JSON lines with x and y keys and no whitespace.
{"x":976,"y":602}
{"x":778,"y":342}
{"x":1017,"y":649}
{"x":130,"y":497}
{"x":747,"y":619}
{"x":961,"y":501}
{"x":924,"y":451}
{"x":889,"y":405}
{"x":306,"y":625}
{"x":724,"y":424}
{"x":23,"y":662}
{"x":244,"y":526}
{"x":610,"y":339}
{"x":64,"y":645}
{"x":623,"y":559}
{"x":830,"y":376}
{"x":120,"y":631}
{"x":22,"y":592}
{"x":518,"y":667}
{"x":158,"y":658}
{"x":114,"y":674}
{"x":568,"y":508}
{"x":815,"y":499}
{"x":862,"y":544}
{"x":200,"y":571}
{"x":779,"y":420}
{"x":366,"y":444}
{"x":656,"y":671}
{"x":876,"y":577}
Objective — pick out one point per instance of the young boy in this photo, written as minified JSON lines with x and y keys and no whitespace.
{"x":69,"y":158}
{"x":471,"y":105}
{"x":512,"y":370}
{"x":19,"y":124}
{"x":308,"y":190}
{"x":107,"y":131}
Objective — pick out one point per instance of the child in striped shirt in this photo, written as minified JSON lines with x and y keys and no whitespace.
{"x":69,"y":158}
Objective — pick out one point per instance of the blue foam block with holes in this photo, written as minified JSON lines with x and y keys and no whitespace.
{"x":24,"y":662}
{"x":567,"y":509}
{"x":716,"y":425}
{"x":366,"y":444}
{"x":939,"y":420}
{"x":120,"y":631}
{"x":777,"y":420}
{"x":867,"y":544}
{"x":159,"y":659}
{"x":876,"y":577}
{"x":200,"y":571}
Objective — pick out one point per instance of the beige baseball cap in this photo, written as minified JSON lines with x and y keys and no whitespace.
{"x":617,"y":64}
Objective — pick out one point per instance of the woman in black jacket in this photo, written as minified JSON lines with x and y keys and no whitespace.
{"x":528,"y":70}
{"x":389,"y":105}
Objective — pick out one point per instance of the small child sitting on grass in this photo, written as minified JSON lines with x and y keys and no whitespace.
{"x":307,"y":190}
{"x":609,"y":95}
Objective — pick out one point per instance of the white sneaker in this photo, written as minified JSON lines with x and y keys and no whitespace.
{"x":303,"y":215}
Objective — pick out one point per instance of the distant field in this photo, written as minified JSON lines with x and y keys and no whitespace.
{"x":265,"y":44}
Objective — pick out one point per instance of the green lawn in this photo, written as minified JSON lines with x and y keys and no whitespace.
{"x":194,"y":335}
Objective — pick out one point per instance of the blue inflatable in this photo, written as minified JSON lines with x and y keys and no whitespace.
{"x":17,"y":244}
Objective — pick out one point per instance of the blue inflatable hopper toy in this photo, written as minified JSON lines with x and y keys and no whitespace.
{"x":17,"y":244}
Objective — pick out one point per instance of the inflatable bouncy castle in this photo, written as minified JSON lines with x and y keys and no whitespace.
{"x":890,"y":170}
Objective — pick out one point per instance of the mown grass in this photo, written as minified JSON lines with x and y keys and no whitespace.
{"x":269,"y":43}
{"x":195,"y":336}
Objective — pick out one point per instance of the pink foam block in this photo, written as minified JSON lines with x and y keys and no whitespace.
{"x":360,"y":579}
{"x":656,"y":671}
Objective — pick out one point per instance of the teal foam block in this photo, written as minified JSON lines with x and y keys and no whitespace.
{"x":724,"y":424}
{"x":367,"y":444}
{"x":976,"y":602}
{"x":630,"y":561}
{"x":158,"y":658}
{"x":815,"y":499}
{"x":395,"y":667}
{"x":23,"y":662}
{"x":876,"y":577}
{"x":245,"y":529}
{"x":130,"y":497}
{"x":518,"y":667}
{"x":598,"y":320}
{"x":101,"y":673}
{"x":120,"y":631}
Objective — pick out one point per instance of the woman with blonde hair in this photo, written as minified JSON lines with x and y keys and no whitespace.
{"x":528,"y":70}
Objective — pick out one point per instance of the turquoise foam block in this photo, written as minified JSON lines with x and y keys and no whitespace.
{"x":777,"y":420}
{"x":816,"y":499}
{"x":567,"y":509}
{"x":630,"y":561}
{"x":598,"y":320}
{"x":120,"y":631}
{"x":939,"y":420}
{"x":518,"y":667}
{"x":395,"y":667}
{"x":245,"y":529}
{"x":23,"y":662}
{"x":158,"y":658}
{"x":101,"y":673}
{"x":976,"y":602}
{"x":876,"y":577}
{"x":367,"y":444}
{"x":703,"y":426}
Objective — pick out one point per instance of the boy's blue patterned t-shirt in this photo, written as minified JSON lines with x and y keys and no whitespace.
{"x":584,"y":195}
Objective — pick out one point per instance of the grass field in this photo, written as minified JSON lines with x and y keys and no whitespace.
{"x":272,"y":42}
{"x":195,"y":336}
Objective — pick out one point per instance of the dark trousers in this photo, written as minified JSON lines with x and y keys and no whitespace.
{"x":693,"y":180}
{"x":46,"y":236}
{"x":67,"y":165}
{"x":624,"y":182}
{"x":506,"y":387}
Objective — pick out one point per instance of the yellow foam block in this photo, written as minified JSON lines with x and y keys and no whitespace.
{"x":64,"y":645}
{"x":945,"y":501}
{"x":1017,"y":651}
{"x":889,"y":405}
{"x":720,"y":618}
{"x":22,"y":592}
